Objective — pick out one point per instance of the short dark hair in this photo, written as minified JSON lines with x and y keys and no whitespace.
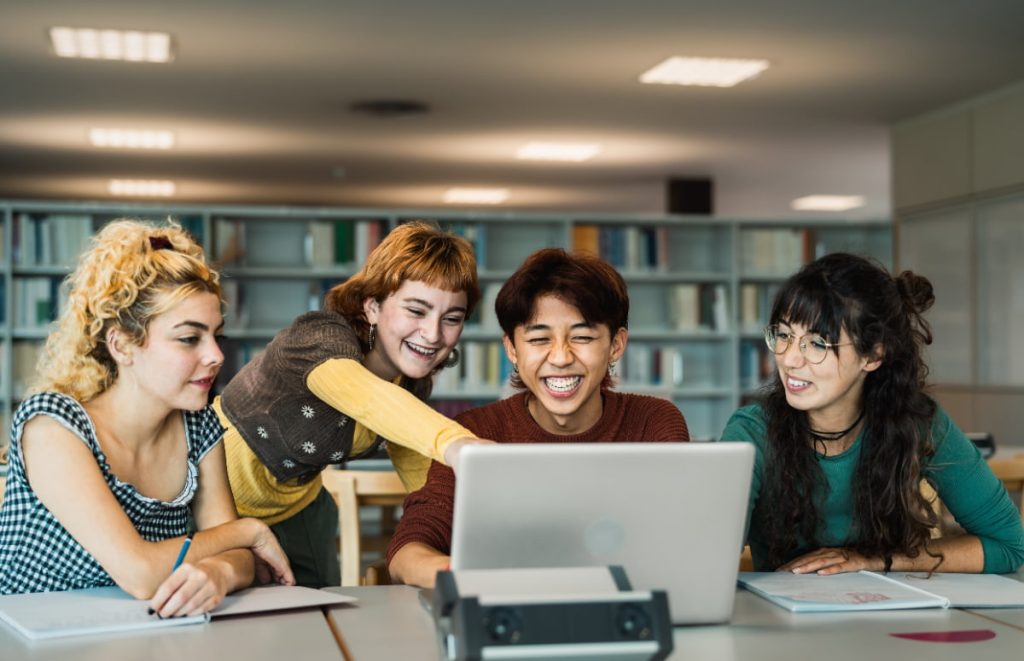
{"x":582,"y":280}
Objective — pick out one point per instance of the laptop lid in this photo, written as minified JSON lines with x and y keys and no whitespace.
{"x":672,"y":514}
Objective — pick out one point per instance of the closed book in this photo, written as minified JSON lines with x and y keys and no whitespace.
{"x":866,"y":590}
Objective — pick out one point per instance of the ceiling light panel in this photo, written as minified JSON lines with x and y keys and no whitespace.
{"x":703,"y":71}
{"x":555,"y":151}
{"x":828,"y":202}
{"x":131,"y":139}
{"x":124,"y":45}
{"x":476,"y":195}
{"x":141,"y":187}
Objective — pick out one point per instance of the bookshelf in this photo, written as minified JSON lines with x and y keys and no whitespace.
{"x":700,"y":288}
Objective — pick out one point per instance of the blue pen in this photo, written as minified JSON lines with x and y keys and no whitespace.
{"x":177,"y":563}
{"x":182,"y":552}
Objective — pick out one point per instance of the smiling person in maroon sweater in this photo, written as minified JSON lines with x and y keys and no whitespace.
{"x":564,"y":318}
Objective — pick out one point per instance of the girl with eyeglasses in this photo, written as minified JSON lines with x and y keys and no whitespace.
{"x":846,"y":434}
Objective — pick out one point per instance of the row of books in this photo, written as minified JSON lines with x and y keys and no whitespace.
{"x":37,"y":302}
{"x":629,"y":247}
{"x":776,"y":251}
{"x":756,"y":304}
{"x":56,"y":240}
{"x":294,"y":243}
{"x":50,"y":240}
{"x":482,"y":365}
{"x":270,"y":304}
{"x":687,"y":306}
{"x":692,"y":306}
{"x":643,"y":364}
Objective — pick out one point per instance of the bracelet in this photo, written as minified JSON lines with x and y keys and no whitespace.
{"x":888,"y":562}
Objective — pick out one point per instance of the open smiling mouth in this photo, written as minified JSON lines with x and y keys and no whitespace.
{"x":421,"y":351}
{"x":562,"y":383}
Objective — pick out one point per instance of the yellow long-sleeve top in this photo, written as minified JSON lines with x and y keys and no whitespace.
{"x":416,"y":434}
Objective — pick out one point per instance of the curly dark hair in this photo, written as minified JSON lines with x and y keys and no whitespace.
{"x":881,"y":314}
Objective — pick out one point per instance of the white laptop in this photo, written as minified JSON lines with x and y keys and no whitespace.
{"x":671,"y":514}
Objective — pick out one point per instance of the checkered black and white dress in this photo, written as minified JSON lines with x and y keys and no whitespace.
{"x":36,"y":553}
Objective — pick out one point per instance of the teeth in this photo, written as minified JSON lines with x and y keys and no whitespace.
{"x":796,"y":383}
{"x":562,"y":383}
{"x":423,"y":351}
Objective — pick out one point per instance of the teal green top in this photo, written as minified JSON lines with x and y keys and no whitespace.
{"x":964,"y":482}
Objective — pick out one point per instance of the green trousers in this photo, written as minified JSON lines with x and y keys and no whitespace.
{"x":310,"y":540}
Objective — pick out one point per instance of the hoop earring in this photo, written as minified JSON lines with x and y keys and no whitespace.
{"x":371,"y":336}
{"x":515,"y":368}
{"x":453,"y":358}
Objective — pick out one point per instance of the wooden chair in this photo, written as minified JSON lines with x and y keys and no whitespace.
{"x":1011,"y":472}
{"x":377,"y":573}
{"x":746,"y":560}
{"x":353,"y":489}
{"x":946,"y":523}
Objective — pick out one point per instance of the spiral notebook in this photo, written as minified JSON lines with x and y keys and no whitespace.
{"x":42,"y":615}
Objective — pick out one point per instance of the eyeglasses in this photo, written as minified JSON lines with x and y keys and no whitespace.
{"x":812,"y":345}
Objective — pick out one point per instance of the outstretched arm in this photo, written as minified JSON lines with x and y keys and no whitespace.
{"x":961,"y":553}
{"x":389,"y":410}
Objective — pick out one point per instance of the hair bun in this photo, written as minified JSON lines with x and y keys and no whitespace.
{"x":916,"y":291}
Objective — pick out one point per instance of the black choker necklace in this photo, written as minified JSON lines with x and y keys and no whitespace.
{"x":825,"y":436}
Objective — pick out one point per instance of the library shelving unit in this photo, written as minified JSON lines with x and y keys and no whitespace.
{"x":700,"y":287}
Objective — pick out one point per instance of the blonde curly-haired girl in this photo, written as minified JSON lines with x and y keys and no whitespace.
{"x":116,"y":451}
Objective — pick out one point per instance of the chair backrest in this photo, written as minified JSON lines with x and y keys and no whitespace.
{"x":1011,"y":472}
{"x":351,"y":490}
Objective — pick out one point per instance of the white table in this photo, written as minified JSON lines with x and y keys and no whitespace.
{"x":1012,"y":616}
{"x":289,"y":636}
{"x":762,"y":631}
{"x":387,"y":622}
{"x":390,"y":623}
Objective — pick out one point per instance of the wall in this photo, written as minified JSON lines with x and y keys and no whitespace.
{"x":958,"y":199}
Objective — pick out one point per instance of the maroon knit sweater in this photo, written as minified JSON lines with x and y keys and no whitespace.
{"x":427,"y":516}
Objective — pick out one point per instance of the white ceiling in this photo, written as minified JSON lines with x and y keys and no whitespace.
{"x":260,"y":90}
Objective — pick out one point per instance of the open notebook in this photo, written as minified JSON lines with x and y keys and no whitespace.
{"x":871,"y":591}
{"x":110,"y":609}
